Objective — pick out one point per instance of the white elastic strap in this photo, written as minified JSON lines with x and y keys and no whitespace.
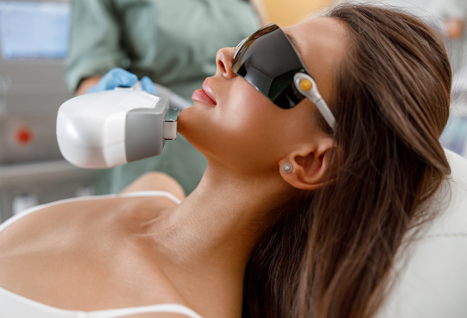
{"x":163,"y":308}
{"x":23,"y":214}
{"x":146,"y":194}
{"x":17,"y":217}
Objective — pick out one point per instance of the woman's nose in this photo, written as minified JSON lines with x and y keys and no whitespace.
{"x":225,"y":62}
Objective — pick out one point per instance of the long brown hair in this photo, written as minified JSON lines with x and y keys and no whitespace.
{"x":330,"y":254}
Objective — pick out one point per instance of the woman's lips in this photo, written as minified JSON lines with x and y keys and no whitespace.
{"x":205,"y":95}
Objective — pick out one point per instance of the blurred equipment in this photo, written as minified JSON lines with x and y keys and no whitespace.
{"x":33,"y":44}
{"x":25,"y":185}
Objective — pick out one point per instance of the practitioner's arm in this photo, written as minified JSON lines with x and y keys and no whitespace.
{"x":86,"y":84}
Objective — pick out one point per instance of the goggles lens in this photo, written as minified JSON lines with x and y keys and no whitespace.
{"x":268,"y":61}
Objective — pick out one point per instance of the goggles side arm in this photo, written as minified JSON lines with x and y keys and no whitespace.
{"x":313,"y":94}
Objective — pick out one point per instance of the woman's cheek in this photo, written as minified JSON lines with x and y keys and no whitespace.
{"x":244,"y":111}
{"x":239,"y":126}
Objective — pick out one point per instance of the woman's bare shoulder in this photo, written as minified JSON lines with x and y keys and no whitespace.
{"x":79,"y":247}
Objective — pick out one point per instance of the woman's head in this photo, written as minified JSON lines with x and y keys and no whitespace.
{"x":386,"y":77}
{"x":253,"y":134}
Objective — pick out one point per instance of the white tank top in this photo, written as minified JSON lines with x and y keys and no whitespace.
{"x":16,"y":306}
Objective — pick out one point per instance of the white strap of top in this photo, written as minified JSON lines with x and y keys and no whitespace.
{"x":16,"y":306}
{"x":15,"y":218}
{"x":164,"y":308}
{"x":166,"y":194}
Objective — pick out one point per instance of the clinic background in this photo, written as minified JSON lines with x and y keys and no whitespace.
{"x":33,"y":46}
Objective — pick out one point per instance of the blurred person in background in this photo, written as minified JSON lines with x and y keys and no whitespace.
{"x":172,"y":43}
{"x":455,"y":26}
{"x":453,"y":14}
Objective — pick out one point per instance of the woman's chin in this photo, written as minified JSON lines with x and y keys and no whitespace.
{"x":181,"y":120}
{"x":195,"y":124}
{"x":189,"y":123}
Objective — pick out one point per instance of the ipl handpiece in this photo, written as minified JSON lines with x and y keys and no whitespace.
{"x":111,"y":128}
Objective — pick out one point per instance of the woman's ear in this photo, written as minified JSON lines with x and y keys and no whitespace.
{"x":308,"y":165}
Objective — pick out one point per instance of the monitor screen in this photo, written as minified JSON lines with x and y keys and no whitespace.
{"x":34,"y":30}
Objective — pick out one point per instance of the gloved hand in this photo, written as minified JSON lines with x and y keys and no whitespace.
{"x":147,"y":85}
{"x":118,"y":77}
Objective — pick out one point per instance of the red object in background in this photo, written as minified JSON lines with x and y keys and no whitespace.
{"x":24,"y":136}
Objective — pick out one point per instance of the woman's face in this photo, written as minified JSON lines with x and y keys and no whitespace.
{"x":235,"y":125}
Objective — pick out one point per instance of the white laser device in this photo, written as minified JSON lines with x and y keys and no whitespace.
{"x":111,"y":128}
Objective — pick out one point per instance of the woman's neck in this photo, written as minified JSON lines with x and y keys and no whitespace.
{"x":226,"y":213}
{"x":211,"y":235}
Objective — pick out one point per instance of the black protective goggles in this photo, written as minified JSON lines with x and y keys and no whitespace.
{"x":268,"y":61}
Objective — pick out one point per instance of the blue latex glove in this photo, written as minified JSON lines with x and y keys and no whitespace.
{"x":148,"y":86}
{"x":118,"y":77}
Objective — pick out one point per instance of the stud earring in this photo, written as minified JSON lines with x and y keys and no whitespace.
{"x":287,"y":168}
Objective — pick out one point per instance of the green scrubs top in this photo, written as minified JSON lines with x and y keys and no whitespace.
{"x":174,"y":42}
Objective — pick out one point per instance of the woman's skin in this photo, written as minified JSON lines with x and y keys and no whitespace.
{"x":125,"y":252}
